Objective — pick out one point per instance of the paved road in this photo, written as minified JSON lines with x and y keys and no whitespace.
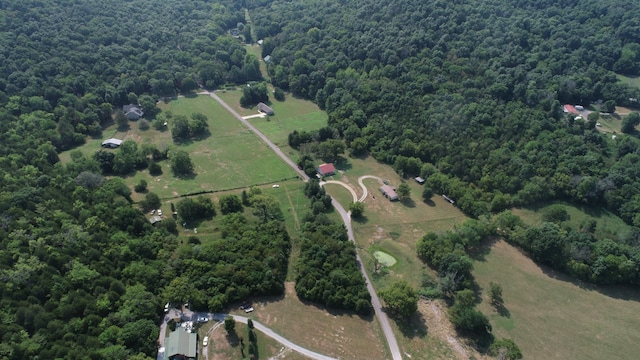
{"x":188,"y":315}
{"x":346,"y":217}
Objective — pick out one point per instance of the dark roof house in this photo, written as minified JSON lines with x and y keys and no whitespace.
{"x":112,"y":143}
{"x":132,"y":112}
{"x":389,"y":192}
{"x":181,"y":345}
{"x":326,"y":169}
{"x":262,"y":107}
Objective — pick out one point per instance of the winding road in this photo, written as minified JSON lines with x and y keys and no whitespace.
{"x":188,"y":315}
{"x":346,"y":218}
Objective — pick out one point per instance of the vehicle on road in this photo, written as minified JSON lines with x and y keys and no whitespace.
{"x":166,"y":308}
{"x":205,"y":342}
{"x":203,"y":319}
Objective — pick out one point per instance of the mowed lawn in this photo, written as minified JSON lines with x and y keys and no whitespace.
{"x":555,"y":317}
{"x":231,"y":157}
{"x":291,"y":114}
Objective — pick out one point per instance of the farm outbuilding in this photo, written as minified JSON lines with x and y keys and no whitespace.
{"x":264,"y":108}
{"x":326,"y":169}
{"x":419,"y":180}
{"x":389,"y":192}
{"x":112,"y":143}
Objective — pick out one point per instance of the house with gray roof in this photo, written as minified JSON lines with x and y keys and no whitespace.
{"x":132,"y":112}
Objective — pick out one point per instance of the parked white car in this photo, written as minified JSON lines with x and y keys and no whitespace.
{"x":205,"y":342}
{"x":159,"y":212}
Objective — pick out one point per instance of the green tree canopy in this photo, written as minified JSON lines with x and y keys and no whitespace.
{"x":401,"y":299}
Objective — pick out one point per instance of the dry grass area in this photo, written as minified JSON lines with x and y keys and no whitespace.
{"x":551,"y":316}
{"x":395,"y":227}
{"x":437,"y":339}
{"x":333,"y":333}
{"x":223,"y":347}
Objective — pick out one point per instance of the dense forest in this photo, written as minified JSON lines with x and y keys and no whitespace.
{"x":327,"y":271}
{"x":84,"y":274}
{"x":465,"y":94}
{"x":468,"y":95}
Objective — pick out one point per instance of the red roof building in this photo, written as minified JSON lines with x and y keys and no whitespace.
{"x":326,"y":169}
{"x":570,"y":109}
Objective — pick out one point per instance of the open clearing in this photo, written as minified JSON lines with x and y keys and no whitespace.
{"x":291,"y":114}
{"x":231,"y":157}
{"x":630,"y":80}
{"x":394,"y":228}
{"x":221,"y":347}
{"x":555,"y":317}
{"x":609,"y":225}
{"x":333,"y":333}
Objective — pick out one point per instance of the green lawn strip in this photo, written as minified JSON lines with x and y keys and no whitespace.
{"x":630,"y":80}
{"x":552,"y":316}
{"x":338,"y":192}
{"x":278,"y":127}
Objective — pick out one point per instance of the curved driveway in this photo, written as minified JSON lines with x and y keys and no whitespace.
{"x":346,"y":218}
{"x":344,"y":185}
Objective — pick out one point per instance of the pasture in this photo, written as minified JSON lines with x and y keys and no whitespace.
{"x":394,"y":228}
{"x":334,"y":333}
{"x":223,"y":347}
{"x":291,"y":114}
{"x":231,"y":157}
{"x":609,"y":225}
{"x":552,"y":316}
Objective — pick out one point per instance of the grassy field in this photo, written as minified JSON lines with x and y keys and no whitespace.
{"x":554,"y":317}
{"x":332,"y":333}
{"x":291,"y":114}
{"x":394,"y":228}
{"x":609,"y":225}
{"x":630,"y":80}
{"x":232,"y":157}
{"x":222,"y":347}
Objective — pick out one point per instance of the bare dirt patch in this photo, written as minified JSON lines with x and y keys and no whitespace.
{"x":440,"y":328}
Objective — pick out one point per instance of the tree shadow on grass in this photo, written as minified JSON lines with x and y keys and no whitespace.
{"x":190,"y":176}
{"x":430,"y":203}
{"x":413,"y":327}
{"x":480,"y":252}
{"x":502,"y":310}
{"x":362,"y":219}
{"x":410,"y":203}
{"x":343,"y":164}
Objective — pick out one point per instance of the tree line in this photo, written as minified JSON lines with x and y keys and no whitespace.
{"x":327,"y":270}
